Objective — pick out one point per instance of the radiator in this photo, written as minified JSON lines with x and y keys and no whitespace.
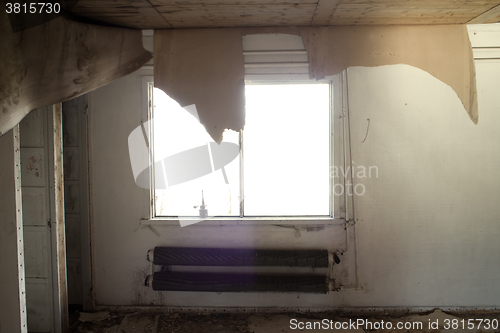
{"x":167,"y":280}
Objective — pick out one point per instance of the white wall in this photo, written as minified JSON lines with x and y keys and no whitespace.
{"x":427,"y":226}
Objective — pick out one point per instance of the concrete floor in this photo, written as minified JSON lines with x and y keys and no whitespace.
{"x":434,"y":322}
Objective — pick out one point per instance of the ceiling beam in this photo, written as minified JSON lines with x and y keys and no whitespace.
{"x":323,"y":14}
{"x":149,"y":12}
{"x":487,"y":16}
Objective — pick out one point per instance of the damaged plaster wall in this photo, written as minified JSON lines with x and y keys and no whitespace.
{"x":444,"y":51}
{"x":58,"y":61}
{"x":427,"y":225}
{"x":205,"y":67}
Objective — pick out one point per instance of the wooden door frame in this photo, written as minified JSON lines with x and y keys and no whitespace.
{"x":58,"y":236}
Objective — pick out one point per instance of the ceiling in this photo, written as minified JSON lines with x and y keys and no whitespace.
{"x":161,"y":14}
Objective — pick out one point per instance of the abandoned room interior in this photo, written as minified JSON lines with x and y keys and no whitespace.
{"x":250,"y":166}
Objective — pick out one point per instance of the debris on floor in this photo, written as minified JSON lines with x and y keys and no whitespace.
{"x":436,"y":321}
{"x":139,"y":323}
{"x":93,"y":316}
{"x":108,"y":325}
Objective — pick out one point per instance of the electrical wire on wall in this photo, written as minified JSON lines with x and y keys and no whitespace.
{"x":350,"y":209}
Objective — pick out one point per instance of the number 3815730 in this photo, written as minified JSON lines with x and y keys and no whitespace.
{"x":33,"y":8}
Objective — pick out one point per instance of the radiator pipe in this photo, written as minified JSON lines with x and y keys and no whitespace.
{"x":189,"y":256}
{"x":239,"y":282}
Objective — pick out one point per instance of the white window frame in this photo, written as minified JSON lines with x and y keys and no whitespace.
{"x":337,"y":159}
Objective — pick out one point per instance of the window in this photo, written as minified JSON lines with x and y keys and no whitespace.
{"x":281,"y":166}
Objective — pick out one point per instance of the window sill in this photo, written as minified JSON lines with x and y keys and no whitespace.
{"x":245,"y":221}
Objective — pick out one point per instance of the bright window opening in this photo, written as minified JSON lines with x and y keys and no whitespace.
{"x":281,"y":170}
